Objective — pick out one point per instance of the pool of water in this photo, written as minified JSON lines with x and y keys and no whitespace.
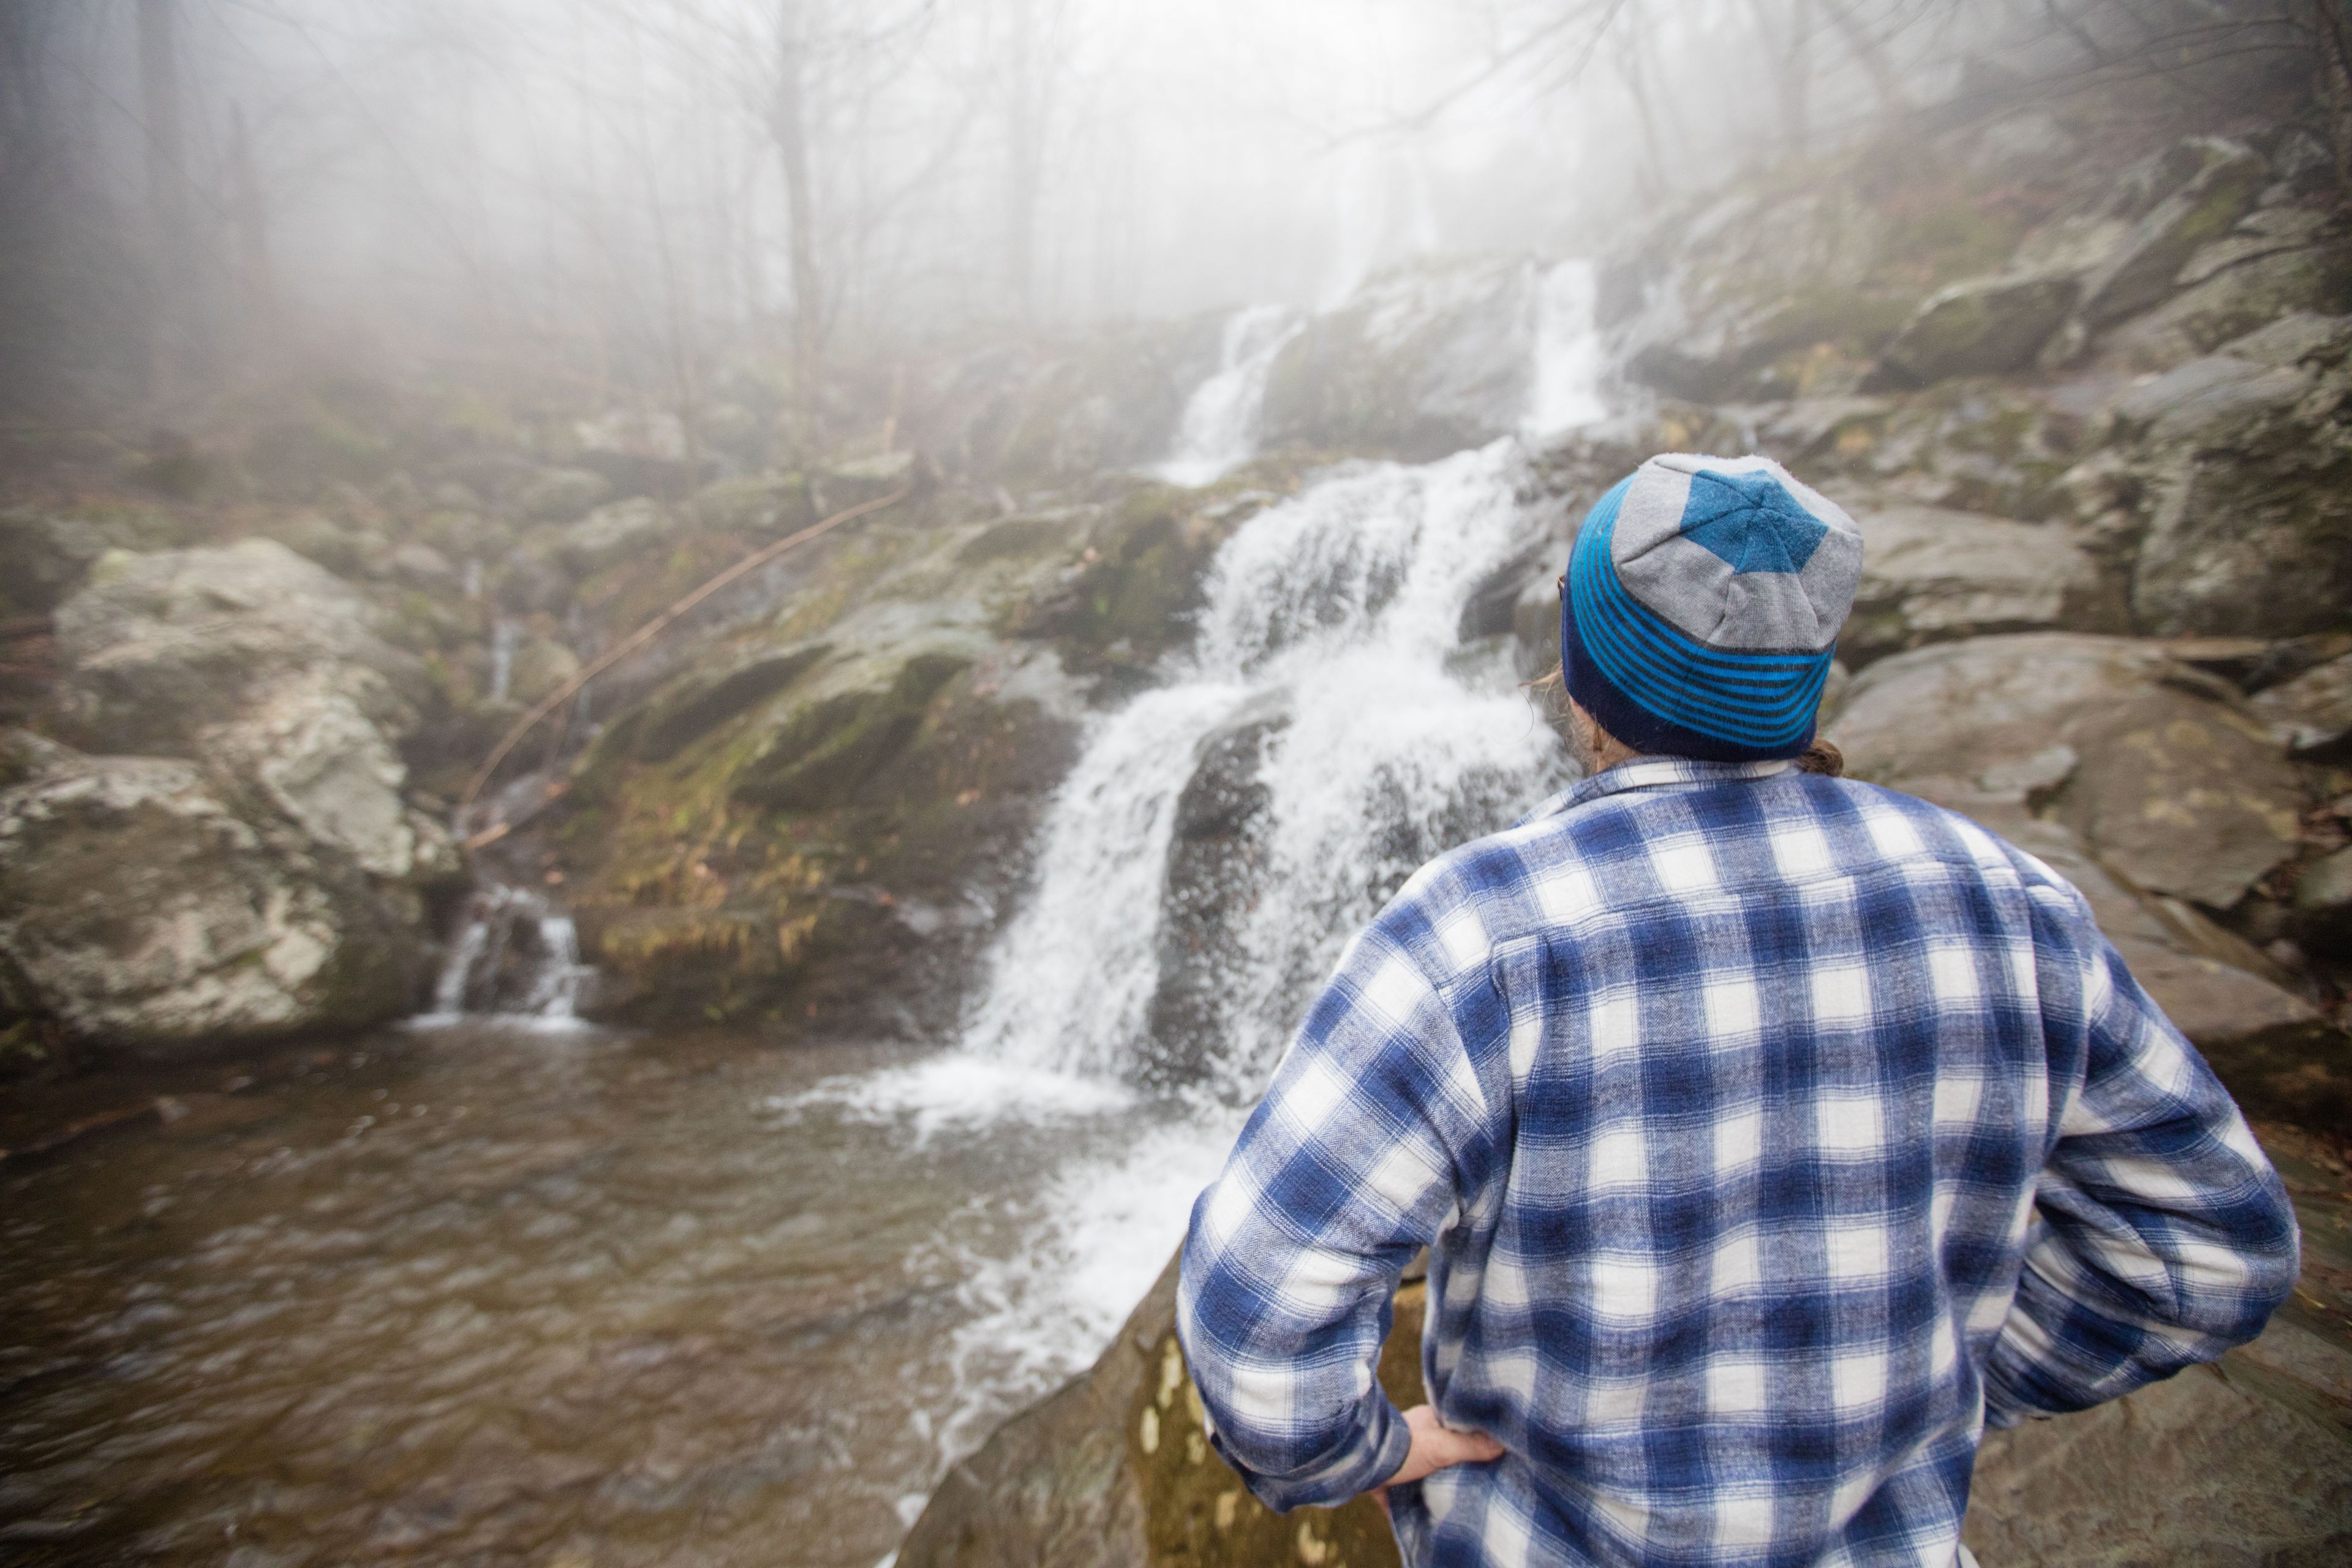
{"x":483,"y":1294}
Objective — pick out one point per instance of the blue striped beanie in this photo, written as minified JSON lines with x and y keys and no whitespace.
{"x":1702,"y":606}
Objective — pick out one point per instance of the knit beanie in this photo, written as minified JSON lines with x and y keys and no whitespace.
{"x":1702,"y":606}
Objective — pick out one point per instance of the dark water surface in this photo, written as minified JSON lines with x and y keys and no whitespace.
{"x":479,"y":1295}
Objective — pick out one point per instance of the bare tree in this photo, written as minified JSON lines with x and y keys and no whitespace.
{"x":788,"y":123}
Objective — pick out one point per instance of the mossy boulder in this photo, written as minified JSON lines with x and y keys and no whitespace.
{"x":1930,"y":575}
{"x":823,"y":751}
{"x":2142,"y":272}
{"x":561,"y":495}
{"x":614,"y":535}
{"x":1983,"y":327}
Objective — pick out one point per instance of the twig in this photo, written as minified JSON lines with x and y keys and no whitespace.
{"x":652,"y":629}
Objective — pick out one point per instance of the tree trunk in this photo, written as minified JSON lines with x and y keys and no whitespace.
{"x":788,"y":123}
{"x":251,"y":211}
{"x":170,"y":254}
{"x":1026,"y":155}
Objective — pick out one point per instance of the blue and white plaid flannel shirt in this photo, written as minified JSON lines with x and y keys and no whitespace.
{"x":1770,"y":1134}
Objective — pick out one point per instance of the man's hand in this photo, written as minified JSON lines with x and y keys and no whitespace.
{"x":1435,"y":1447}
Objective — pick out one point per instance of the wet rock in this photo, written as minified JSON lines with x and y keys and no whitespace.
{"x":853,"y":483}
{"x":855,"y":719}
{"x":1210,"y":886}
{"x":1981,"y":327}
{"x":700,"y":701}
{"x":2245,"y":473}
{"x":2206,"y":206}
{"x":1418,"y":363}
{"x":562,"y":495}
{"x":1115,"y":1471}
{"x":612,"y":534}
{"x":158,"y":646}
{"x":2314,"y":710}
{"x":1933,"y":576}
{"x":143,"y":912}
{"x":2175,"y":785}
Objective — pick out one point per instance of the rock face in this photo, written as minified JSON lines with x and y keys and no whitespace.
{"x":158,"y":646}
{"x":2243,"y":464}
{"x":141,"y":910}
{"x":2314,"y":710}
{"x":1419,"y":363}
{"x":1931,"y":575}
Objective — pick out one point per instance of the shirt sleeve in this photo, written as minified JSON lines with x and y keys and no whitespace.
{"x":2162,"y":1236}
{"x":1348,"y":1166}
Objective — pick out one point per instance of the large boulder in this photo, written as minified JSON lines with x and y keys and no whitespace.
{"x":1419,"y":362}
{"x":2243,"y":464}
{"x":160,"y":647}
{"x":1930,"y":575}
{"x":141,"y":910}
{"x":1983,"y":326}
{"x":561,"y":495}
{"x":2162,"y":770}
{"x":43,"y":558}
{"x":2278,"y":262}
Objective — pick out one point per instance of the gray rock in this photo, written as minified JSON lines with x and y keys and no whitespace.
{"x":2244,"y":471}
{"x":318,"y":758}
{"x":318,"y":538}
{"x":2248,"y":1462}
{"x":1984,"y":326}
{"x":44,"y":558}
{"x":2313,"y":710}
{"x":756,"y":504}
{"x":421,"y":566}
{"x":1932,"y":575}
{"x":562,"y":495}
{"x":1419,"y":363}
{"x":2175,"y":785}
{"x":157,"y":647}
{"x":2269,"y":280}
{"x":143,"y":912}
{"x":2144,"y":268}
{"x":848,"y":722}
{"x":612,"y":534}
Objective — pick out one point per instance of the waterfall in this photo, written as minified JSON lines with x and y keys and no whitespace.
{"x":1221,"y":419}
{"x":515,"y":958}
{"x":506,"y":636}
{"x":1331,"y":629}
{"x":1568,"y":352}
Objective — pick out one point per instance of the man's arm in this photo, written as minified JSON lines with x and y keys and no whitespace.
{"x":2162,"y":1236}
{"x":1347,"y":1168}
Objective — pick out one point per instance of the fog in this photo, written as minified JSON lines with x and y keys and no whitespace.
{"x":606,"y":188}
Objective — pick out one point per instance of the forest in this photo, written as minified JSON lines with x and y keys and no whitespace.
{"x":693,"y":691}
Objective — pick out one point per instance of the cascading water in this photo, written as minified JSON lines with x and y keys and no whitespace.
{"x":515,"y":958}
{"x":1221,"y":419}
{"x":1569,"y":357}
{"x":506,"y":636}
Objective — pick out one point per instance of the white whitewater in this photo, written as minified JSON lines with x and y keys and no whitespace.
{"x":1222,"y":417}
{"x":515,"y":959}
{"x":1569,"y":357}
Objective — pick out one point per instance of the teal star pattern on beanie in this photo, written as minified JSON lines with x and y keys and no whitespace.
{"x":1751,"y":521}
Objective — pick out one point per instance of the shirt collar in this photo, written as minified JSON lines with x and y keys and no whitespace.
{"x":1653,"y":772}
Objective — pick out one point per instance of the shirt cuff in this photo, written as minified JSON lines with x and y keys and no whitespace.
{"x":1375,"y":1452}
